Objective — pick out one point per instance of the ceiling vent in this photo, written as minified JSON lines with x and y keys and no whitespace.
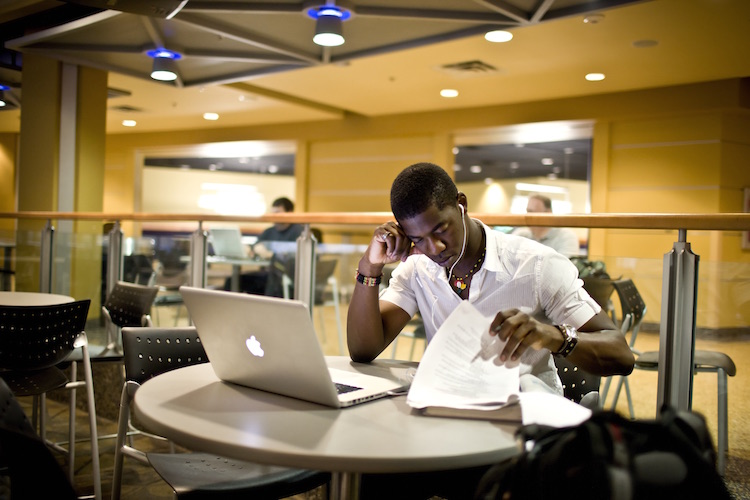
{"x":126,"y":109}
{"x":469,"y":69}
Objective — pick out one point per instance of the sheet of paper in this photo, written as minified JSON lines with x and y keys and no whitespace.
{"x":461,"y":367}
{"x":550,"y":409}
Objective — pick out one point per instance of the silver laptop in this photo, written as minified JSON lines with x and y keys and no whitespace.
{"x":270,"y":344}
{"x":227,"y":242}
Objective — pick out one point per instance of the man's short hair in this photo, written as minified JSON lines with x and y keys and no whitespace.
{"x":544,"y":199}
{"x":284,"y":203}
{"x":420,"y":186}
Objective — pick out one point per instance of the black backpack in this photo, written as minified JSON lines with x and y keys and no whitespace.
{"x":610,"y":457}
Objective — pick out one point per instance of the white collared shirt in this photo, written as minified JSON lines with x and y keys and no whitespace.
{"x":516,"y":273}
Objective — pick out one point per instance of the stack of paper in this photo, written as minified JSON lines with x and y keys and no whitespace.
{"x":461,"y":375}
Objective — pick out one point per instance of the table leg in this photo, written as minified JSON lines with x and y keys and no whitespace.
{"x":345,"y":486}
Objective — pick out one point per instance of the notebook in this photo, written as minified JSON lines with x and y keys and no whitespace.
{"x":269,"y":343}
{"x":227,"y":242}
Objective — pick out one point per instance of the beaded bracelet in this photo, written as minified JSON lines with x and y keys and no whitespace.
{"x":368,"y":280}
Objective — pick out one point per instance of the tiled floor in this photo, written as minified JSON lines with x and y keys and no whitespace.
{"x":140,"y":482}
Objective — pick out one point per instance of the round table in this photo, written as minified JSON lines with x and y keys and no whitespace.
{"x":192,"y":407}
{"x":33,"y":299}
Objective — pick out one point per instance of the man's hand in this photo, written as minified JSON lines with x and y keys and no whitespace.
{"x":522,"y":332}
{"x":389,"y":244}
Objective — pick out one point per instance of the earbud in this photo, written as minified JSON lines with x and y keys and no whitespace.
{"x":461,"y":207}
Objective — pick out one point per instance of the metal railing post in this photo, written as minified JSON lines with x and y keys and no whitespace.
{"x":677,"y":330}
{"x":46,"y":256}
{"x":114,"y":256}
{"x":304,"y":270}
{"x":198,"y":253}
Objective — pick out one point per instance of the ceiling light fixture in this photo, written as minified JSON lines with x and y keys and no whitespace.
{"x":3,"y":88}
{"x":211,"y":116}
{"x":328,"y":21}
{"x":129,"y":123}
{"x":595,"y":77}
{"x":449,"y":93}
{"x":498,"y":36}
{"x":164,"y":69}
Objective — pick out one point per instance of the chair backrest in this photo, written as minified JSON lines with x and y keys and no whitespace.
{"x":128,"y":303}
{"x":324,"y":269}
{"x":148,"y":352}
{"x":600,"y":289}
{"x":36,"y":337}
{"x":33,"y":471}
{"x":576,"y":382}
{"x":633,"y":307}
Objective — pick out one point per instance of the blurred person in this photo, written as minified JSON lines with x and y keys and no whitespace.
{"x":562,"y":239}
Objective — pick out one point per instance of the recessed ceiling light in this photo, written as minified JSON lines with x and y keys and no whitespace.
{"x":595,"y":77}
{"x":457,"y":167}
{"x":547,"y":161}
{"x":488,"y":180}
{"x":210,"y":116}
{"x":449,"y":93}
{"x":129,"y":123}
{"x":514,"y":165}
{"x":272,"y":169}
{"x":593,"y":19}
{"x":475,"y":169}
{"x":498,"y":36}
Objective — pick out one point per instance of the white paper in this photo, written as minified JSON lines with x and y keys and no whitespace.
{"x":461,"y":367}
{"x":544,"y":408}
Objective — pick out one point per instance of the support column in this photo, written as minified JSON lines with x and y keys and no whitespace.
{"x":61,"y":168}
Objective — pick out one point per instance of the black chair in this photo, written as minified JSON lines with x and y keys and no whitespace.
{"x":25,"y":460}
{"x":127,"y":304}
{"x":578,"y":385}
{"x":633,"y":310}
{"x":149,"y":352}
{"x":601,"y":290}
{"x":34,"y":342}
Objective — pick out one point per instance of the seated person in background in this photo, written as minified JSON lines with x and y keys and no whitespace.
{"x":562,"y":239}
{"x":268,"y":281}
{"x":533,"y":293}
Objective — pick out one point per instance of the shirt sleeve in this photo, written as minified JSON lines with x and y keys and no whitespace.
{"x":400,"y":289}
{"x":562,"y":295}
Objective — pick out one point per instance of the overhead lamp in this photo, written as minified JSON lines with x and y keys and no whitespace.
{"x":498,"y":36}
{"x":328,"y":24}
{"x":164,"y":69}
{"x":3,"y":88}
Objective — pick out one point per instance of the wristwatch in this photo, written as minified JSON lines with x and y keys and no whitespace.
{"x":570,"y":340}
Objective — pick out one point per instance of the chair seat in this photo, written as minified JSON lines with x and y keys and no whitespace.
{"x":703,"y":360}
{"x":217,"y":477}
{"x":34,"y":383}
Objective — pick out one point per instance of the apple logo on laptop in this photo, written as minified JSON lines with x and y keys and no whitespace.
{"x":253,"y":345}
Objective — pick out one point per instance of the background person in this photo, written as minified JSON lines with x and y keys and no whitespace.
{"x":562,"y":239}
{"x":268,"y":281}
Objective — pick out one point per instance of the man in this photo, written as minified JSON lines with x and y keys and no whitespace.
{"x":562,"y":239}
{"x":532,"y":292}
{"x":269,"y":281}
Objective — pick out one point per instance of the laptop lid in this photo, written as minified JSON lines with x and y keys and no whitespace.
{"x":270,"y":344}
{"x":227,"y":242}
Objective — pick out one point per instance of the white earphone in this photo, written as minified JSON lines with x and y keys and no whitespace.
{"x":461,"y":207}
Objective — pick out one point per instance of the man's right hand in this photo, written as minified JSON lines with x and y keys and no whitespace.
{"x":389,"y":244}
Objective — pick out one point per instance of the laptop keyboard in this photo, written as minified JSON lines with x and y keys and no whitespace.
{"x":343,"y":388}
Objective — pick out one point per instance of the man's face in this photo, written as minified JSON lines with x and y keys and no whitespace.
{"x":279,"y":210}
{"x":536,"y":206}
{"x":439,"y":234}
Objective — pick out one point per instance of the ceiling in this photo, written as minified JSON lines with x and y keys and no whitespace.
{"x":254,"y":63}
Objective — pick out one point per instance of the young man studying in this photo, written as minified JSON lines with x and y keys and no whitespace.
{"x":533,"y":293}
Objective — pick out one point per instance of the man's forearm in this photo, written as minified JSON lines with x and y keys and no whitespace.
{"x":364,"y":326}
